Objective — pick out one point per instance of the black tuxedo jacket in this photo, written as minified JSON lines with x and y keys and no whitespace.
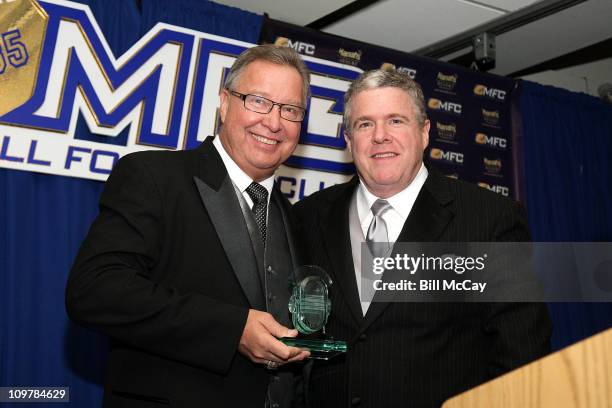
{"x":418,"y":354}
{"x":169,"y":273}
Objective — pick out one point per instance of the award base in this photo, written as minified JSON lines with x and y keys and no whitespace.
{"x":319,"y":349}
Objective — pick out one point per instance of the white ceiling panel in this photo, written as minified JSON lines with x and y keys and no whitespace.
{"x":510,"y":5}
{"x":298,"y":12}
{"x":561,"y":33}
{"x":409,"y":25}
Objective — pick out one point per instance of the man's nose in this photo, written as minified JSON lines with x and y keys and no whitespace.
{"x":272,"y":120}
{"x":380,"y":135}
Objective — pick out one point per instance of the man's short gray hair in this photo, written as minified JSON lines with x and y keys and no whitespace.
{"x":275,"y":55}
{"x":381,"y":78}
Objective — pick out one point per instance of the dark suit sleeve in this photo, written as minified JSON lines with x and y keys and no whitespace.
{"x":520,"y":332}
{"x":111,"y":288}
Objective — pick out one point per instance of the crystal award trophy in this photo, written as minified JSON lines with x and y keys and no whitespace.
{"x":310,"y":307}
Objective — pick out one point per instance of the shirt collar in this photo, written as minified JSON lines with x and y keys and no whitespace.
{"x":236,"y":174}
{"x":401,"y":202}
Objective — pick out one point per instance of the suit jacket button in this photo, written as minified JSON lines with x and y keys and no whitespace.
{"x":356,"y":401}
{"x":362,"y":337}
{"x":271,"y":296}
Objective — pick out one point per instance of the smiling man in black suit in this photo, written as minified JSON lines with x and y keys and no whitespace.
{"x":408,"y":354}
{"x":188,"y":266}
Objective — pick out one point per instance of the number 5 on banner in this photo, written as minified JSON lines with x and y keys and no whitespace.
{"x":15,"y":50}
{"x":22,"y":30}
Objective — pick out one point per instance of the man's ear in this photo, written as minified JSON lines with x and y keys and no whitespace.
{"x":224,"y":96}
{"x":347,"y":139}
{"x":425,"y":134}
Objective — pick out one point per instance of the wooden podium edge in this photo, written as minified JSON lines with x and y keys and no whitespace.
{"x":579,"y":375}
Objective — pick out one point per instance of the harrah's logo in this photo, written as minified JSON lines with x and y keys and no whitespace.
{"x":349,"y":57}
{"x":493,"y":141}
{"x":490,"y":117}
{"x":160,"y":94}
{"x":446,"y":132}
{"x":301,"y":47}
{"x":503,"y":190}
{"x":492,"y":93}
{"x":446,"y":82}
{"x":492,"y":166}
{"x":445,"y":106}
{"x":446,"y":155}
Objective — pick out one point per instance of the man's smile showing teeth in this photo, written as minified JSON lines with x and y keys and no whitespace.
{"x":383,"y":155}
{"x":264,"y":139}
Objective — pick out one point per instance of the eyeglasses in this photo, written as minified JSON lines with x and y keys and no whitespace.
{"x":263,"y":105}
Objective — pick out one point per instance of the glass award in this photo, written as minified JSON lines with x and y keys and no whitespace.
{"x":310,"y":307}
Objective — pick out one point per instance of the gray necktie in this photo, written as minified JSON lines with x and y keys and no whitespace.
{"x":378,"y":237}
{"x":259,"y":195}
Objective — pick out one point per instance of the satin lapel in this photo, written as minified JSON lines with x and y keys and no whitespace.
{"x":219,"y":197}
{"x":338,"y":244}
{"x":425,"y":223}
{"x":254,"y":234}
{"x":283,"y":207}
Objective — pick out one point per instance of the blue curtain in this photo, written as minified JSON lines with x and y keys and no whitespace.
{"x":44,"y":218}
{"x":204,"y":16}
{"x":567,"y":141}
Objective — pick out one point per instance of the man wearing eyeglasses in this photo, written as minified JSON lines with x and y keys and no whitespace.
{"x":187,"y":267}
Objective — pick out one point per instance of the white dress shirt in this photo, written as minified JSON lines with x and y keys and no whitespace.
{"x":401,"y":205}
{"x":240,"y":179}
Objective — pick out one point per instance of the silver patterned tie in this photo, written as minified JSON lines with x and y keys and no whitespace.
{"x":378,"y":236}
{"x":259,"y":195}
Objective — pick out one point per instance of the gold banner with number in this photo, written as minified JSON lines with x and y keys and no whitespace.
{"x":23,"y":24}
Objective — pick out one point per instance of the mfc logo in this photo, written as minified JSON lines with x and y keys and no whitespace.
{"x":503,"y":190}
{"x":411,"y":72}
{"x":301,"y":47}
{"x":492,"y":93}
{"x":446,"y":106}
{"x":89,"y":108}
{"x":492,"y":141}
{"x":449,"y":156}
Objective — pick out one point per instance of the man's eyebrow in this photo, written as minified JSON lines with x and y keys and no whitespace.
{"x":398,"y":115}
{"x":361,"y":118}
{"x":391,"y":115}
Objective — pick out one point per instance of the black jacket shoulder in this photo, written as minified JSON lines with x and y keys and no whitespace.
{"x":320,"y":200}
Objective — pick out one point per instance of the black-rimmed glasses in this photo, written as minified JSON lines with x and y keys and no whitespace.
{"x":263,"y":105}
